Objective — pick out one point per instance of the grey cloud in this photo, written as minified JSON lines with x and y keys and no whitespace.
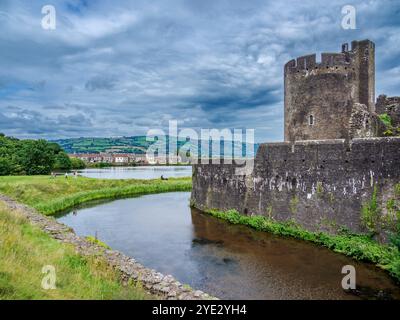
{"x":25,"y":123}
{"x":119,"y":68}
{"x":100,"y":83}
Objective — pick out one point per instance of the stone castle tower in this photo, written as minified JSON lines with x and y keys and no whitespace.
{"x":324,"y":99}
{"x":321,"y":185}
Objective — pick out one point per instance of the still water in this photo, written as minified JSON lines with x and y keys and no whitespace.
{"x":228,"y":261}
{"x":139,"y":172}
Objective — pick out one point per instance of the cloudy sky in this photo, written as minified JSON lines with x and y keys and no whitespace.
{"x":114,"y":68}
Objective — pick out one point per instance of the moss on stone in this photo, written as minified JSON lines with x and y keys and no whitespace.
{"x":94,"y":240}
{"x":293,"y":204}
{"x":370,"y":213}
{"x":320,"y":188}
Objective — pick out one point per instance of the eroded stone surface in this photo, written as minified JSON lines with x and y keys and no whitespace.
{"x":320,"y":185}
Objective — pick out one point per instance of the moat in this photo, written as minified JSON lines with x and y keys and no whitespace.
{"x":138,"y":172}
{"x":229,"y":261}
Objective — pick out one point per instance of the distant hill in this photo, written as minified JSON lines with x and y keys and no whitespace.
{"x":135,"y":145}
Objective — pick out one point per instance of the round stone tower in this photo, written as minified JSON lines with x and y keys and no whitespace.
{"x":319,"y":97}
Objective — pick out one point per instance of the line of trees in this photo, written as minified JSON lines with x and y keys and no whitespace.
{"x":31,"y":157}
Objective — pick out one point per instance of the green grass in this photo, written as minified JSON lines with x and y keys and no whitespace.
{"x":52,"y":195}
{"x":25,"y":250}
{"x":386,"y":119}
{"x":94,"y":240}
{"x":49,"y":196}
{"x":360,"y":247}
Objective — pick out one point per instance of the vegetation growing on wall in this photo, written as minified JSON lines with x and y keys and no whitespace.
{"x":359,"y":247}
{"x":293,"y":204}
{"x":320,"y":188}
{"x":373,"y":218}
{"x":394,"y":211}
{"x":370,"y":213}
{"x":386,"y":119}
{"x":391,"y":130}
{"x":395,"y":237}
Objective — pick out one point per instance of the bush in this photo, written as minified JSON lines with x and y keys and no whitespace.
{"x":36,"y":156}
{"x":77,"y":163}
{"x":370,"y":213}
{"x":360,"y":247}
{"x":395,"y":238}
{"x":99,"y":165}
{"x":5,"y":166}
{"x":31,"y":157}
{"x":385,"y":118}
{"x":62,"y":161}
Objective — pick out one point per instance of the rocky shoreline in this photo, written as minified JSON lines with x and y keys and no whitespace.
{"x":163,"y":286}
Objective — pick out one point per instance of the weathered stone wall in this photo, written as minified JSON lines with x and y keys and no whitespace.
{"x":326,"y":91}
{"x":322,"y":185}
{"x":364,"y":124}
{"x":390,"y":106}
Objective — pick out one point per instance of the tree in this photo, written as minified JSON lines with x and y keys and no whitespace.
{"x":77,"y":163}
{"x":5,"y":167}
{"x":20,"y":157}
{"x":35,"y":156}
{"x":62,"y":161}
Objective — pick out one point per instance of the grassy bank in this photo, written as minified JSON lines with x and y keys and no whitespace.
{"x":25,"y":250}
{"x":49,"y":196}
{"x":90,"y":278}
{"x":360,"y":247}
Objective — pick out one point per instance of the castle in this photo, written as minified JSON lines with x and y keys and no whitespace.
{"x":339,"y":164}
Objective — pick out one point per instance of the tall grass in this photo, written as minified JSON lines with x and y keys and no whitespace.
{"x":25,"y":250}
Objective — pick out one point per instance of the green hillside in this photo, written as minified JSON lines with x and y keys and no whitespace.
{"x":135,"y":144}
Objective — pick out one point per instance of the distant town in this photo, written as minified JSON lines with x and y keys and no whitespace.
{"x":127,"y":158}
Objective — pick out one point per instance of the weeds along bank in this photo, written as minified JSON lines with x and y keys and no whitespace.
{"x":49,"y":195}
{"x":360,"y":247}
{"x":85,"y":268}
{"x":25,"y":249}
{"x":344,"y":197}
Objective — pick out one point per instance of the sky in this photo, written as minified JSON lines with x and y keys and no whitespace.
{"x":121,"y":68}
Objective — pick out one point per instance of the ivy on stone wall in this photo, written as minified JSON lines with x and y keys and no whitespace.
{"x":370,"y":213}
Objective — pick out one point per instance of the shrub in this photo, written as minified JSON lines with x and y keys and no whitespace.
{"x":62,"y":161}
{"x":77,"y":163}
{"x":386,"y":119}
{"x":370,"y":213}
{"x":360,"y":247}
{"x":31,"y":157}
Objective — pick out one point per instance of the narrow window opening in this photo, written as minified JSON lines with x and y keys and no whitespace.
{"x":311,"y":120}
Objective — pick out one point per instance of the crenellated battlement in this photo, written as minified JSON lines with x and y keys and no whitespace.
{"x":329,"y":61}
{"x":332,"y":161}
{"x":341,"y":61}
{"x":319,"y":95}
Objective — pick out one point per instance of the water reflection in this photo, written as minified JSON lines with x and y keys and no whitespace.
{"x":139,"y":172}
{"x":229,"y":261}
